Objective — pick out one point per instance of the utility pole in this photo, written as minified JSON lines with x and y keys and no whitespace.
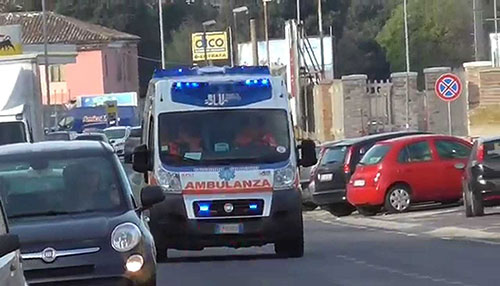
{"x":496,"y":61}
{"x":236,"y":11}
{"x":298,"y":12}
{"x":321,"y":44}
{"x":46,"y":57}
{"x":407,"y":43}
{"x":253,"y":39}
{"x":162,"y":33}
{"x":334,"y":52}
{"x":266,"y":24}
{"x":474,"y":9}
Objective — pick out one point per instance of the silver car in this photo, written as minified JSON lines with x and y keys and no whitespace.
{"x":11,"y":270}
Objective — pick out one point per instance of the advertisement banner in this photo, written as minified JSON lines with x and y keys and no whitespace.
{"x":10,"y":40}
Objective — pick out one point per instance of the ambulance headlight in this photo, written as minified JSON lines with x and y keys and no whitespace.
{"x":170,"y":181}
{"x":284,"y":178}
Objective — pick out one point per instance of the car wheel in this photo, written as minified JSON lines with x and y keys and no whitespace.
{"x":368,"y":211}
{"x":398,"y":199}
{"x":161,"y":255}
{"x":292,"y":247}
{"x":476,"y":203}
{"x":308,"y":207}
{"x":467,"y":203}
{"x":339,"y":210}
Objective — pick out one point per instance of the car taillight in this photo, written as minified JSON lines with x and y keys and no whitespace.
{"x":347,"y":162}
{"x":480,"y":153}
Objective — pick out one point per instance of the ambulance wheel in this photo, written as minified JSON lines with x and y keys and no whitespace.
{"x":292,"y":247}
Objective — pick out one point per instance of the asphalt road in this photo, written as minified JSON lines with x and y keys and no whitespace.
{"x":342,"y":255}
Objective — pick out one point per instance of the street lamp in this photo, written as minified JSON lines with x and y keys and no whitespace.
{"x":236,"y":11}
{"x":162,"y":34}
{"x":266,"y":24}
{"x":407,"y":43}
{"x":205,"y":25}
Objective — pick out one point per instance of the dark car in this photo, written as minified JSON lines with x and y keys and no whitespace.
{"x":60,"y":136}
{"x":11,"y":270}
{"x":72,"y":206}
{"x":481,"y":184}
{"x":93,"y":137}
{"x":335,"y":167}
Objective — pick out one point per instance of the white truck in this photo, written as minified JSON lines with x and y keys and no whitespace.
{"x":20,"y":100}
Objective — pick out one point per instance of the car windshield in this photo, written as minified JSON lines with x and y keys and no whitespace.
{"x":12,"y":132}
{"x":375,"y":155}
{"x":492,"y":151}
{"x":333,"y":155}
{"x":224,"y":137}
{"x":45,"y":186}
{"x":115,"y":133}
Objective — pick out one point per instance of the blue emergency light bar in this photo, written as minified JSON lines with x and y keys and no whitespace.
{"x":239,"y":70}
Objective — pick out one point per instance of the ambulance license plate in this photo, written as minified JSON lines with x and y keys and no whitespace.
{"x":234,"y":228}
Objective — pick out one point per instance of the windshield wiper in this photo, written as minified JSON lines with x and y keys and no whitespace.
{"x":183,"y":158}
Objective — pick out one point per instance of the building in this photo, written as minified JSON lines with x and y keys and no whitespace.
{"x":106,"y":62}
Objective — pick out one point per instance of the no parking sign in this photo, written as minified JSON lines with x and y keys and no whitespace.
{"x":448,"y":87}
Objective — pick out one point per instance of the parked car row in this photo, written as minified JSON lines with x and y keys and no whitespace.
{"x":393,"y":171}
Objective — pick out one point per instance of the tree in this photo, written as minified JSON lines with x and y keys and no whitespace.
{"x":358,"y":52}
{"x":440,"y":34}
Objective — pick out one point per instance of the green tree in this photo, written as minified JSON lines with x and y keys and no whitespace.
{"x":440,"y":34}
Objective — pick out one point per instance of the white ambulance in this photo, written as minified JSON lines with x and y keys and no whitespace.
{"x":221,"y":142}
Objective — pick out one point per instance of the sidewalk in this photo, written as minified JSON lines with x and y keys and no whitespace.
{"x":445,"y":223}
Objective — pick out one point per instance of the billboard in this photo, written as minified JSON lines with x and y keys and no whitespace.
{"x":10,"y":40}
{"x":217,"y":46}
{"x":122,"y":99}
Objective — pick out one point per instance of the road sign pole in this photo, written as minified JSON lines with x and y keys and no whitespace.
{"x":450,"y":130}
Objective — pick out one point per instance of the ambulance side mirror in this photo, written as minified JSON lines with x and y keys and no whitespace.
{"x":141,"y":159}
{"x":307,"y":153}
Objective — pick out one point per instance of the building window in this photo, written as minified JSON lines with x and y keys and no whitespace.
{"x":57,"y":73}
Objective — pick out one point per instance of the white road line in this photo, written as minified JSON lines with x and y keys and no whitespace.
{"x":402,"y":273}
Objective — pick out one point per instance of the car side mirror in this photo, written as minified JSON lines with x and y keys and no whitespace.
{"x":8,"y":244}
{"x":307,"y":153}
{"x":141,"y":159}
{"x":151,"y":195}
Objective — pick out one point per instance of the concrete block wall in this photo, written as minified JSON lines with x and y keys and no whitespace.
{"x":337,"y":102}
{"x":356,"y":108}
{"x":437,"y":109}
{"x":471,"y":84}
{"x":398,"y":100}
{"x":323,"y":116}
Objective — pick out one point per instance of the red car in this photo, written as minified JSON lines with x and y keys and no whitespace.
{"x":397,"y":173}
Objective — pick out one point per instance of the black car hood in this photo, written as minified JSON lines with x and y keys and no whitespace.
{"x":65,"y":232}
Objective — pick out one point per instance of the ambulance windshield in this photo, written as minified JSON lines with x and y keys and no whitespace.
{"x":256,"y":136}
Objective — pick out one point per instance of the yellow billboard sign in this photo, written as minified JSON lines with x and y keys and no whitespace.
{"x":10,"y":40}
{"x":217,"y":46}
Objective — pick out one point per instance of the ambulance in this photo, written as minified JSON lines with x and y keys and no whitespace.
{"x":220,"y":141}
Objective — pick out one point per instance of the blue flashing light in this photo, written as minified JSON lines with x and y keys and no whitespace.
{"x":181,"y":85}
{"x":258,"y":82}
{"x":253,"y":206}
{"x":191,"y":71}
{"x":204,"y":208}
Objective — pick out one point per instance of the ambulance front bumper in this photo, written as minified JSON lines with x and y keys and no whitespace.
{"x":174,"y":227}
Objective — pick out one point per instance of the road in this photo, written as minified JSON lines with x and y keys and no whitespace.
{"x":338,"y":254}
{"x":431,"y":245}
